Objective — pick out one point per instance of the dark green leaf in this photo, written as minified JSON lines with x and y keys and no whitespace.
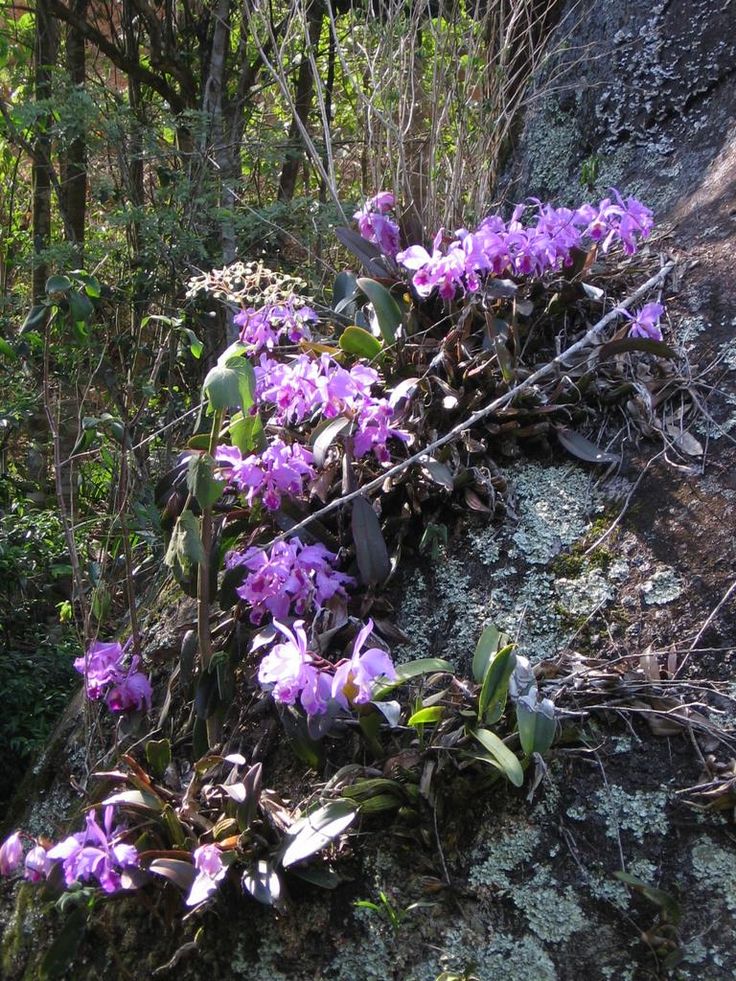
{"x":317,"y":830}
{"x":370,"y":547}
{"x":201,"y":482}
{"x":175,"y":870}
{"x":201,"y":441}
{"x":185,"y":545}
{"x":80,"y":307}
{"x":158,"y":754}
{"x":230,"y":385}
{"x":369,"y":255}
{"x":35,"y":318}
{"x":500,"y":755}
{"x":492,"y":698}
{"x":388,"y":312}
{"x":247,"y":433}
{"x":536,"y":722}
{"x":344,"y":288}
{"x":626,"y":344}
{"x":317,"y":875}
{"x":263,"y":884}
{"x":138,"y":799}
{"x":355,"y":340}
{"x":207,"y":696}
{"x":58,"y":284}
{"x":583,"y":449}
{"x":413,"y":669}
{"x":438,"y":472}
{"x":325,"y":435}
{"x":490,"y":641}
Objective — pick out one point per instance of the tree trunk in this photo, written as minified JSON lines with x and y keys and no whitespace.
{"x":44,"y":55}
{"x":303,"y":96}
{"x":74,"y":164}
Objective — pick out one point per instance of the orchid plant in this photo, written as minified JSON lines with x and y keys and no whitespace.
{"x":297,"y":417}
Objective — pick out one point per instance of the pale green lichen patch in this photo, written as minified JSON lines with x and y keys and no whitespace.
{"x":445,"y":607}
{"x":585,"y":594}
{"x":501,"y":853}
{"x":550,"y":909}
{"x":449,"y":628}
{"x":714,"y":428}
{"x":498,"y":958}
{"x":715,"y":868}
{"x":639,"y":814}
{"x":663,"y":587}
{"x":554,"y":504}
{"x":688,"y":328}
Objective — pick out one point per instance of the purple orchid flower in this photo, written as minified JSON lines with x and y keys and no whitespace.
{"x":375,"y":227}
{"x":132,"y":692}
{"x":290,"y":669}
{"x":95,"y":853}
{"x":292,"y":576}
{"x":105,"y":677}
{"x":265,"y":327}
{"x":37,"y":864}
{"x":280,"y":469}
{"x":11,"y":854}
{"x":524,"y":246}
{"x":645,"y":322}
{"x":100,"y":667}
{"x":211,"y":871}
{"x":354,"y":679}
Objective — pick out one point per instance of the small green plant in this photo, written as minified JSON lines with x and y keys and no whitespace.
{"x":387,"y":910}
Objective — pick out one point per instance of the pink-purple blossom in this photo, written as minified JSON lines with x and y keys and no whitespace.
{"x":645,"y":322}
{"x":210,"y":872}
{"x":372,"y":430}
{"x":37,"y":864}
{"x":355,"y":678}
{"x":124,"y":689}
{"x":282,"y":468}
{"x":375,"y":226}
{"x":95,"y":853}
{"x":11,"y":854}
{"x":267,"y":326}
{"x":304,"y":386}
{"x":132,"y":692}
{"x":292,"y":577}
{"x":544,"y":244}
{"x":291,"y":671}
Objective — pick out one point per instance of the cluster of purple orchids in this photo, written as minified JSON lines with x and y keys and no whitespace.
{"x":303,"y":387}
{"x":458,"y":264}
{"x":96,"y":854}
{"x":123,"y":689}
{"x":296,"y":673}
{"x":267,"y":326}
{"x":292,"y":577}
{"x":282,"y":468}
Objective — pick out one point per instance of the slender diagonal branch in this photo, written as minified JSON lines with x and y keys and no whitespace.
{"x":592,"y":335}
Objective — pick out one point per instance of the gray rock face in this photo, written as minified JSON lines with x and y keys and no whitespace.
{"x":643,"y":92}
